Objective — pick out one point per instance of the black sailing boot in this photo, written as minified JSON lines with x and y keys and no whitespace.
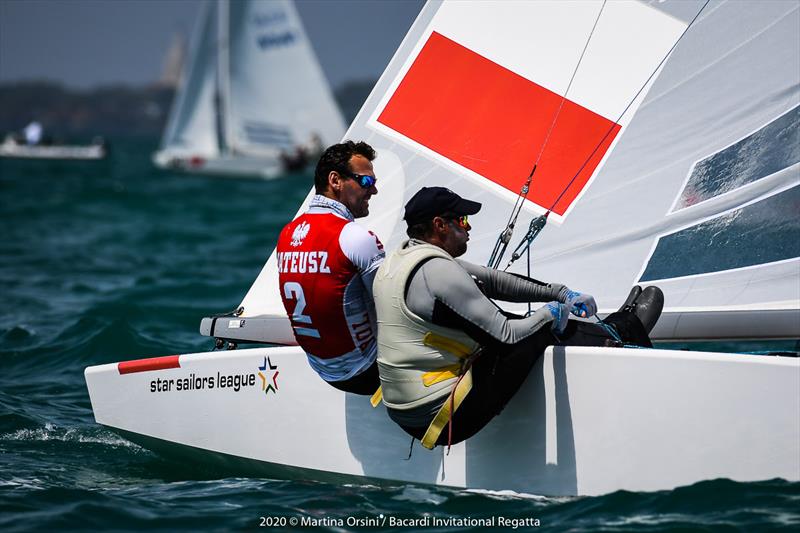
{"x":629,"y":301}
{"x":647,"y":306}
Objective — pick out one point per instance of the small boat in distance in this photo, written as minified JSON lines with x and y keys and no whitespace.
{"x":10,"y":148}
{"x":33,"y":144}
{"x":253,"y":101}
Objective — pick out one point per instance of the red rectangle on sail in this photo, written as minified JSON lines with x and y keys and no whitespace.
{"x":147,"y":365}
{"x":494,"y":122}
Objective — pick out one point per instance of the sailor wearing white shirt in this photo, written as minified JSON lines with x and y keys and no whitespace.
{"x":326,"y":264}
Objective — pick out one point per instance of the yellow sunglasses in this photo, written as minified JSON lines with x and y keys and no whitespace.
{"x":462,"y":220}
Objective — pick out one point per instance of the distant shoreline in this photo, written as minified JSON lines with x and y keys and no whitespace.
{"x":114,"y":110}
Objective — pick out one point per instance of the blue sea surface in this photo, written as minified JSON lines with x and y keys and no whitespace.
{"x":114,"y":260}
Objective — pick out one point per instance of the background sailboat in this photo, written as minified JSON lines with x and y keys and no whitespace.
{"x":252,"y":92}
{"x":678,"y":179}
{"x":9,"y":148}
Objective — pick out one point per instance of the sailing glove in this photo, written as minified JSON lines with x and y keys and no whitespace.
{"x":582,"y":305}
{"x":560,"y":314}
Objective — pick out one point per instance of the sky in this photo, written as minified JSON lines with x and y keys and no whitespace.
{"x":88,"y":43}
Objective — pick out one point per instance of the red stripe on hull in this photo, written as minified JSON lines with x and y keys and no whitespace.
{"x":494,"y":122}
{"x":146,"y":365}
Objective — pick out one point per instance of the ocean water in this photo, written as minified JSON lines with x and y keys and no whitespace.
{"x":107,"y":261}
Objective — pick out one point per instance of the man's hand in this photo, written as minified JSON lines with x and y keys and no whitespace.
{"x":582,"y":305}
{"x":560,"y":314}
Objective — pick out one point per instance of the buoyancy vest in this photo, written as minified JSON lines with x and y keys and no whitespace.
{"x":413,"y":371}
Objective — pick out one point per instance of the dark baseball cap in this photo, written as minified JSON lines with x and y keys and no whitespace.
{"x":433,"y":201}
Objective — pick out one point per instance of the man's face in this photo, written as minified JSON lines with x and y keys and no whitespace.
{"x":353,"y":195}
{"x":454,"y":239}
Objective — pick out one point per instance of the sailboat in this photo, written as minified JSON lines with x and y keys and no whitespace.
{"x":31,"y":143}
{"x":252,"y":95}
{"x":12,"y":149}
{"x":664,"y":138}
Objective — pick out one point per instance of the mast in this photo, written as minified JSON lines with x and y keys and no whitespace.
{"x":222,"y":96}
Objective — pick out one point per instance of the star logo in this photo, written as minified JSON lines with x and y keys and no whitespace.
{"x":300,"y":233}
{"x":265,"y":370}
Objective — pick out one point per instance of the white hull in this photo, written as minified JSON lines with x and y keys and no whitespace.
{"x":587,"y":421}
{"x":22,"y":151}
{"x":230,"y":166}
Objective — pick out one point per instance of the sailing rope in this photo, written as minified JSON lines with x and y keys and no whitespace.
{"x":505,"y":236}
{"x":538,"y":223}
{"x":613,"y":333}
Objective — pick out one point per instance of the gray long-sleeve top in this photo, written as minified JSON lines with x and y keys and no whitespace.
{"x":456,"y":294}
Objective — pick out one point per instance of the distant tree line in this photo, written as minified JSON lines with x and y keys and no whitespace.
{"x":113,"y":111}
{"x":64,"y":112}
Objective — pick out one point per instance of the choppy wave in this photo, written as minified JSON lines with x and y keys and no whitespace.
{"x":50,"y":432}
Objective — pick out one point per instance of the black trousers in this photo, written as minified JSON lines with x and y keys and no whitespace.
{"x":365,"y":383}
{"x":498,"y":374}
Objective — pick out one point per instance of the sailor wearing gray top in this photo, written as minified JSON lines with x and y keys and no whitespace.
{"x":449,"y":358}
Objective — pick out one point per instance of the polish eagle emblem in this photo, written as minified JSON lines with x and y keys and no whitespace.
{"x":300,"y":233}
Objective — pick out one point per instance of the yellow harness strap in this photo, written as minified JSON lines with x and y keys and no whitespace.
{"x":454,"y":347}
{"x":430,"y":378}
{"x":462,"y":387}
{"x":443,"y":416}
{"x":435,"y":376}
{"x":377,"y":397}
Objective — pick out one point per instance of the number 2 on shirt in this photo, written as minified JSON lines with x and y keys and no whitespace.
{"x":294,"y":291}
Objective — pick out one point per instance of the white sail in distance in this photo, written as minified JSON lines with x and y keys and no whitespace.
{"x":272,"y":104}
{"x":192,"y":123}
{"x":252,"y":91}
{"x":695,"y":188}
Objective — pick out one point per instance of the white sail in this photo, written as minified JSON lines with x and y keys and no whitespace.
{"x":278,"y":95}
{"x":253,"y":90}
{"x":686,"y":179}
{"x":192,"y":124}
